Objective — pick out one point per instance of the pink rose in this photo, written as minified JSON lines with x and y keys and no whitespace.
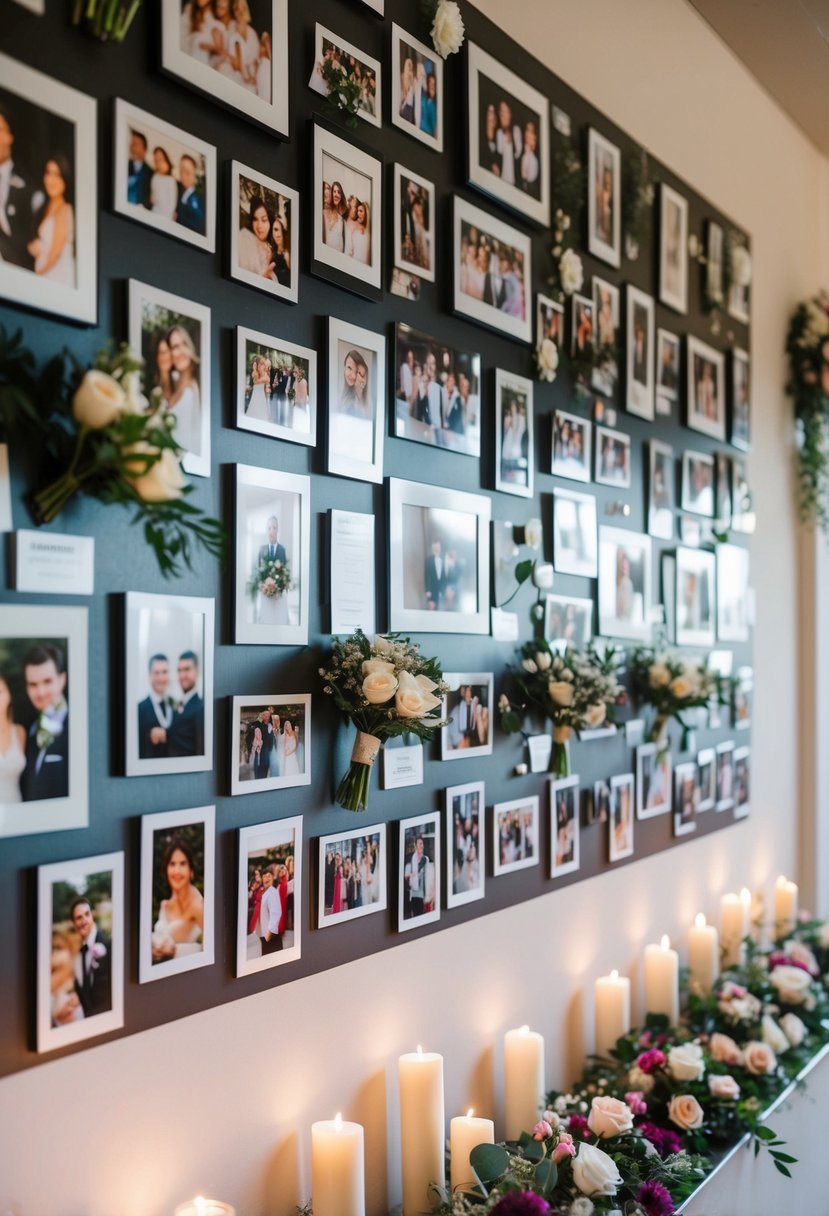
{"x":760,"y":1059}
{"x":636,"y":1101}
{"x":609,"y":1117}
{"x":724,"y":1050}
{"x":649,"y":1061}
{"x":564,"y":1149}
{"x":542,"y":1130}
{"x":685,"y":1112}
{"x":723,"y":1087}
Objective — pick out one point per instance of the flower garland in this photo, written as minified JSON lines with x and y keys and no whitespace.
{"x":807,"y":348}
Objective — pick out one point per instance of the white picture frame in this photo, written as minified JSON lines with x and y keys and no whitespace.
{"x":604,"y":214}
{"x":621,"y":816}
{"x":273,"y":412}
{"x":441,"y":416}
{"x":661,"y":490}
{"x":733,"y":574}
{"x":572,"y":446}
{"x":415,"y":253}
{"x":372,"y":866}
{"x":465,"y":849}
{"x":356,"y":401}
{"x":372,"y":112}
{"x":606,"y":311}
{"x":283,"y":837}
{"x":698,"y":489}
{"x":575,"y":534}
{"x":469,"y":733}
{"x":654,"y":781}
{"x":705,"y":388}
{"x":261,"y":773}
{"x":247,"y":262}
{"x":625,"y":565}
{"x":335,"y":254}
{"x":499,"y":300}
{"x":514,"y":443}
{"x":515,"y":835}
{"x":565,"y":825}
{"x":740,"y":400}
{"x":673,"y":248}
{"x":639,"y":349}
{"x":695,"y":597}
{"x":742,"y":782}
{"x":406,"y":49}
{"x":707,"y":779}
{"x":568,"y":621}
{"x":686,"y":798}
{"x":613,"y":458}
{"x":667,"y":364}
{"x":426,"y":877}
{"x":725,"y":776}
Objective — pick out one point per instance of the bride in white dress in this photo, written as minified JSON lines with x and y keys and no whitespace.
{"x":12,"y":749}
{"x":185,"y":400}
{"x":290,"y":758}
{"x":260,"y":377}
{"x":197,"y":26}
{"x":180,"y":925}
{"x":53,"y":249}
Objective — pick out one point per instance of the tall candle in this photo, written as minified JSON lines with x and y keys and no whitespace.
{"x":422,"y":1128}
{"x":785,"y":907}
{"x":735,"y":921}
{"x":204,"y":1207}
{"x":612,"y":1001}
{"x":703,"y":955}
{"x":466,"y":1133}
{"x":662,"y":980}
{"x":523,"y":1080}
{"x":338,"y":1172}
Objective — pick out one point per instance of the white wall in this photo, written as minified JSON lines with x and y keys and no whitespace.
{"x":222,"y":1102}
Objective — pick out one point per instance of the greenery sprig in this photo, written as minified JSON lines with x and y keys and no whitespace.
{"x":344,"y":91}
{"x":807,"y":348}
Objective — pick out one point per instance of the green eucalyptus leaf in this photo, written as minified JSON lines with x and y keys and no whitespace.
{"x":489,"y":1162}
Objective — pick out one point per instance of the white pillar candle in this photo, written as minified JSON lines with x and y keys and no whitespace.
{"x":422,"y":1128}
{"x":662,"y":980}
{"x":204,"y":1207}
{"x":735,"y":921}
{"x":466,"y":1133}
{"x":785,"y":907}
{"x":338,"y":1173}
{"x":523,"y":1080}
{"x":612,"y":1012}
{"x":703,"y":955}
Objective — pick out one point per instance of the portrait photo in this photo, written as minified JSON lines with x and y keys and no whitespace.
{"x":695,"y":599}
{"x":416,"y":89}
{"x":604,"y":199}
{"x":742,"y":513}
{"x":418,"y":882}
{"x":514,"y":447}
{"x":653,"y":781}
{"x":600,"y":812}
{"x":667,"y":365}
{"x":742,"y":782}
{"x":574,"y":533}
{"x":347,"y":214}
{"x":741,"y":707}
{"x":740,"y":400}
{"x":414,"y":223}
{"x":80,"y":950}
{"x":624,"y":584}
{"x":706,"y":389}
{"x":437,"y":392}
{"x":264,"y":233}
{"x":173,"y":337}
{"x":508,"y":137}
{"x":733,"y":566}
{"x":549,"y":320}
{"x":568,"y":621}
{"x":356,"y":401}
{"x":686,"y":805}
{"x":360,"y":70}
{"x":515,"y":835}
{"x":725,"y":776}
{"x":164,"y":177}
{"x":469,"y":707}
{"x":698,"y":483}
{"x":738,"y":293}
{"x":270,"y":746}
{"x":707,"y":779}
{"x":620,"y":816}
{"x":673,"y":249}
{"x":612,"y":458}
{"x":235,"y":51}
{"x":48,"y":163}
{"x":169,"y":684}
{"x":465,"y":844}
{"x":639,"y":351}
{"x":564,"y":827}
{"x":714,"y":266}
{"x":661,"y":490}
{"x":722,"y":490}
{"x":492,"y":271}
{"x":582,"y":326}
{"x":571,"y":446}
{"x":351,"y":879}
{"x":177,"y":892}
{"x":273,"y":529}
{"x":276,"y":387}
{"x":269,"y":913}
{"x":605,"y":375}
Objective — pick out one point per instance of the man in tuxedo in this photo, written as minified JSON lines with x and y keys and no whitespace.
{"x":640,"y":353}
{"x":93,"y":965}
{"x":15,"y":201}
{"x":272,"y":551}
{"x":155,"y":712}
{"x":434,"y":577}
{"x":417,"y":878}
{"x":282,"y":381}
{"x":495,"y":286}
{"x":46,"y":774}
{"x":270,"y":914}
{"x":190,"y":213}
{"x":186,"y":734}
{"x":139,"y":173}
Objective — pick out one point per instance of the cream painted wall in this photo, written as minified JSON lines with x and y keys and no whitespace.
{"x":222,"y":1102}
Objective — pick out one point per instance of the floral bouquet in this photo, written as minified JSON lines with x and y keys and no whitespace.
{"x":386,"y":689}
{"x":270,"y":578}
{"x":577,"y":690}
{"x":671,"y":686}
{"x":807,"y":347}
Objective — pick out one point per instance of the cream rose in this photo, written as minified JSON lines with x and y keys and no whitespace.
{"x":686,"y":1063}
{"x":793,"y":1028}
{"x":543,"y":660}
{"x":162,"y":482}
{"x":659,"y":675}
{"x":793,"y":984}
{"x":447,"y":28}
{"x":594,"y":1172}
{"x":412,"y":700}
{"x":529,"y":666}
{"x":561,"y":693}
{"x":773,"y":1035}
{"x":680,"y":687}
{"x":685,"y":1112}
{"x":383,"y":645}
{"x":372,"y":665}
{"x":379,"y":687}
{"x":723,"y":1087}
{"x":637,"y":1079}
{"x":571,"y":271}
{"x":533,"y":533}
{"x":594,"y":715}
{"x":609,"y":1117}
{"x":98,"y":401}
{"x":543,"y":576}
{"x":759,"y":1058}
{"x":724,"y":1050}
{"x":546,"y":360}
{"x":800,"y":953}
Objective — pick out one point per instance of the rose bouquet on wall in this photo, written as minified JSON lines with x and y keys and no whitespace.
{"x":271,"y":578}
{"x":807,"y":348}
{"x":385,"y":688}
{"x":671,"y":686}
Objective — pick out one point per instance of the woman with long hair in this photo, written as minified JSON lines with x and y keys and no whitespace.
{"x":407,"y":91}
{"x":290,"y":744}
{"x":180,"y":925}
{"x":163,"y":186}
{"x":260,"y":378}
{"x":12,"y":748}
{"x":352,"y":203}
{"x":197,"y":25}
{"x":333,"y":215}
{"x":163,"y":361}
{"x":53,"y":248}
{"x":281,"y":253}
{"x":185,"y":400}
{"x":243,"y":46}
{"x":359,"y":244}
{"x":255,"y":251}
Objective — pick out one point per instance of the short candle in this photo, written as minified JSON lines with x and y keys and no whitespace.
{"x":662,"y":980}
{"x":204,"y":1207}
{"x":422,"y":1127}
{"x":734,"y":925}
{"x":785,"y":906}
{"x":703,"y":955}
{"x":523,"y":1080}
{"x":338,"y":1173}
{"x":612,"y":1010}
{"x":466,"y":1133}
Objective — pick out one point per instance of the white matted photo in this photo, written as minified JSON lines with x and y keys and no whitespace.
{"x":568,"y":621}
{"x":725,"y":776}
{"x":695,"y":598}
{"x":351,"y":572}
{"x":686,"y":795}
{"x":356,"y":401}
{"x":698,"y":483}
{"x":667,"y":365}
{"x":465,"y":844}
{"x":582,"y":325}
{"x":612,"y":458}
{"x":416,"y":89}
{"x":177,"y":893}
{"x":673,"y":248}
{"x":575,"y":549}
{"x":172,"y":336}
{"x":469,"y":707}
{"x":164,"y":177}
{"x":264,"y":233}
{"x":514,"y":447}
{"x":347,"y":214}
{"x":515,"y":839}
{"x":351,"y":875}
{"x":564,"y":826}
{"x":733,"y":565}
{"x":414,"y":209}
{"x":605,"y":374}
{"x":437,"y":392}
{"x":620,"y":816}
{"x":239,"y":58}
{"x":572,"y":438}
{"x":722,"y":490}
{"x":270,"y":742}
{"x":624,"y":584}
{"x":707,"y":779}
{"x":273,"y":530}
{"x":49,"y":238}
{"x":742,"y":782}
{"x":714,"y":265}
{"x":639,"y":351}
{"x":706,"y":389}
{"x":604,"y":199}
{"x":331,"y":52}
{"x":661,"y":489}
{"x":269,"y":912}
{"x":743,"y":696}
{"x":169,"y":684}
{"x":549,"y":320}
{"x":738,"y":291}
{"x":653,"y":781}
{"x":418,"y":877}
{"x":80,"y":950}
{"x":493,"y":271}
{"x":741,"y":400}
{"x":277,"y":389}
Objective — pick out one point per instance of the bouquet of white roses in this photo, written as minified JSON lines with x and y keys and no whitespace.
{"x":671,"y":686}
{"x":386,"y":689}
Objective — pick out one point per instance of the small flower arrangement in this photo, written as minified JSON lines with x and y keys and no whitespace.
{"x":571,"y":272}
{"x":271,"y":578}
{"x":344,"y":91}
{"x":385,"y":688}
{"x":546,"y":360}
{"x":447,"y":30}
{"x":807,"y":348}
{"x":671,"y":686}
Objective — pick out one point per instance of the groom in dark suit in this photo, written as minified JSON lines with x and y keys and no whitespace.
{"x":155,"y":712}
{"x":190,"y":213}
{"x":46,"y":774}
{"x":93,"y":963}
{"x":186,"y":734}
{"x":139,"y":173}
{"x":272,"y":551}
{"x":15,"y":201}
{"x":434,"y":577}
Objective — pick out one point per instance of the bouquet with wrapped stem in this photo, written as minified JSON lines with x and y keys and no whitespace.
{"x":385,"y":688}
{"x":271,"y":578}
{"x":671,"y":686}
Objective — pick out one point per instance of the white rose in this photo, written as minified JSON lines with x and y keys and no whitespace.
{"x":379,"y":687}
{"x":760,"y":1059}
{"x":800,"y":953}
{"x":658,"y":675}
{"x":571,"y":271}
{"x":792,"y":983}
{"x":411,"y":700}
{"x":741,"y":268}
{"x":637,"y":1079}
{"x":372,"y":665}
{"x":543,"y":575}
{"x":594,"y":1172}
{"x":134,"y":400}
{"x":724,"y":1050}
{"x":546,"y":360}
{"x":680,"y":687}
{"x":382,"y":645}
{"x":98,"y":401}
{"x":723,"y":1087}
{"x":609,"y":1117}
{"x":530,"y":666}
{"x":561,"y":692}
{"x":543,"y":660}
{"x":685,"y":1112}
{"x":162,"y":482}
{"x":793,"y":1028}
{"x":773,"y":1035}
{"x":686,"y":1063}
{"x":594,"y":715}
{"x":447,"y":29}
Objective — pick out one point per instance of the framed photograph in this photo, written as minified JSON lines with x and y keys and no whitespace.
{"x":49,"y":247}
{"x":418,"y":871}
{"x":722,"y":489}
{"x":276,"y":387}
{"x":351,"y":878}
{"x":653,"y":781}
{"x":164,"y":177}
{"x":574,"y":533}
{"x":582,"y":325}
{"x":742,"y":782}
{"x":605,"y":374}
{"x":360,"y":69}
{"x":243,"y":65}
{"x":725,"y":776}
{"x":493,"y":271}
{"x":44,"y":785}
{"x":738,"y":301}
{"x":600,"y":811}
{"x":706,"y":389}
{"x":347,"y":193}
{"x":80,"y":950}
{"x":549,"y":320}
{"x":376,"y":6}
{"x":571,"y":446}
{"x":568,"y":621}
{"x":741,"y":708}
{"x":695,"y":597}
{"x":269,"y":915}
{"x":508,"y":137}
{"x":514,"y":835}
{"x":273,"y":556}
{"x":438,"y":559}
{"x":714,"y":263}
{"x":173,"y":337}
{"x":612,"y":458}
{"x":640,"y":390}
{"x":686,"y":805}
{"x":620,"y":816}
{"x":413,"y":201}
{"x":465,"y":844}
{"x":661,"y":490}
{"x":698,"y":483}
{"x":416,"y":89}
{"x":673,"y":249}
{"x":514,"y":448}
{"x":740,"y":400}
{"x":469,"y":706}
{"x":733,"y":565}
{"x":437,"y":392}
{"x":177,"y":893}
{"x":264,"y":233}
{"x":624,"y":584}
{"x":564,"y":830}
{"x":604,"y":199}
{"x":667,"y":365}
{"x":742,"y":514}
{"x":169,"y":684}
{"x":707,"y":779}
{"x":356,"y":401}
{"x":270,"y":742}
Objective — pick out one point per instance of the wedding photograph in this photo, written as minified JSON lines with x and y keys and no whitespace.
{"x":695,"y":598}
{"x":264,"y":233}
{"x":604,"y":199}
{"x":705,"y":389}
{"x":437,"y":395}
{"x":568,"y":621}
{"x":714,"y":264}
{"x":514,"y":447}
{"x":276,"y":387}
{"x":667,"y":365}
{"x":605,"y":375}
{"x":351,"y":875}
{"x":620,"y":816}
{"x":549,"y":320}
{"x":574,"y":533}
{"x":740,"y":400}
{"x":416,"y":89}
{"x":742,"y":782}
{"x":722,"y":490}
{"x":661,"y":490}
{"x":673,"y":249}
{"x":686,"y":804}
{"x":639,"y":353}
{"x":347,"y":214}
{"x":564,"y":827}
{"x":698,"y":483}
{"x":269,"y":912}
{"x":465,"y":844}
{"x":572,"y":437}
{"x":743,"y":698}
{"x":707,"y":779}
{"x":418,"y":873}
{"x":356,"y":401}
{"x":470,"y":709}
{"x":582,"y":325}
{"x":653,"y":781}
{"x":624,"y":584}
{"x":515,"y":835}
{"x":414,"y":209}
{"x":738,"y":293}
{"x":334,"y":54}
{"x":270,"y":746}
{"x":493,"y":271}
{"x":733,"y":572}
{"x":612,"y":458}
{"x":725,"y":776}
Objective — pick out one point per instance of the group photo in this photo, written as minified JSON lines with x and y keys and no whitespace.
{"x":264,"y":241}
{"x":492,"y":271}
{"x":440,"y":560}
{"x":571,"y":446}
{"x":233,"y":38}
{"x":438,"y":393}
{"x":270,"y":895}
{"x":347,"y":210}
{"x":515,"y":835}
{"x":277,"y":390}
{"x":352,"y":877}
{"x":271,"y":743}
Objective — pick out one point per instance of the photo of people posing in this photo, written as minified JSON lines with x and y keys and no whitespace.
{"x":571,"y":446}
{"x":698,"y":483}
{"x":564,"y":807}
{"x":414,"y":223}
{"x":612,"y":458}
{"x":272,"y":529}
{"x":568,"y":621}
{"x":438,"y":393}
{"x":549,"y":320}
{"x":468,"y":705}
{"x":740,"y":400}
{"x":417,"y":89}
{"x":277,"y":388}
{"x":673,"y":249}
{"x":356,"y":401}
{"x":491,"y":275}
{"x":742,"y":782}
{"x":667,"y":366}
{"x":605,"y":374}
{"x":620,"y":816}
{"x":271,"y":743}
{"x":725,"y":776}
{"x":333,"y":54}
{"x":583,"y":328}
{"x":515,"y":827}
{"x":465,"y":843}
{"x":177,"y":894}
{"x":352,"y":875}
{"x":604,"y":203}
{"x":515,"y":454}
{"x":440,"y":560}
{"x":264,"y":240}
{"x":624,"y":584}
{"x":706,"y":389}
{"x":686,"y":803}
{"x":661,"y":491}
{"x":653,"y":781}
{"x":574,"y":533}
{"x":707,"y":779}
{"x":695,"y":603}
{"x":268,"y":931}
{"x":347,"y":212}
{"x":419,"y":872}
{"x":640,"y":354}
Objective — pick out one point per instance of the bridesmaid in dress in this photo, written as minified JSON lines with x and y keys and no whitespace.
{"x":163,"y":186}
{"x":290,"y":758}
{"x":260,"y":375}
{"x":333,"y":215}
{"x":185,"y":399}
{"x":12,"y":748}
{"x":243,"y":46}
{"x":281,"y":253}
{"x":53,"y":249}
{"x":197,"y":26}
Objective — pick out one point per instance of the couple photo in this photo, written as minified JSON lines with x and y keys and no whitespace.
{"x":80,"y":968}
{"x":34,"y":720}
{"x":416,"y":99}
{"x":171,"y":715}
{"x":271,"y":742}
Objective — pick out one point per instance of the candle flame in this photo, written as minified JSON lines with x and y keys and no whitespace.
{"x":200,"y":1205}
{"x":524,"y":1030}
{"x":470,"y":1113}
{"x":419,"y":1050}
{"x":782,"y":880}
{"x":745,"y":896}
{"x":699,"y":920}
{"x":338,"y":1122}
{"x":666,"y":942}
{"x":614,"y":975}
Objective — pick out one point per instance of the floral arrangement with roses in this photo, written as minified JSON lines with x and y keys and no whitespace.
{"x":807,"y":348}
{"x":270,"y":578}
{"x":671,"y":686}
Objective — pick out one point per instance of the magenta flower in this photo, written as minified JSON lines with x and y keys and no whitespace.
{"x":649,"y":1061}
{"x":522,"y":1203}
{"x":663,"y":1139}
{"x":578,"y":1126}
{"x":655,"y":1199}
